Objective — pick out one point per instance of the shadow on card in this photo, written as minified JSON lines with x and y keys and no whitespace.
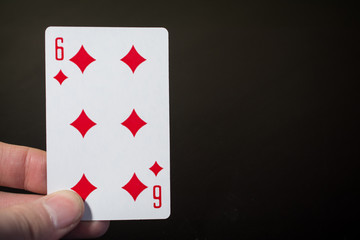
{"x":87,"y":213}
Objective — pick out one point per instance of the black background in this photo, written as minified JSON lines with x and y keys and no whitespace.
{"x":263,"y":104}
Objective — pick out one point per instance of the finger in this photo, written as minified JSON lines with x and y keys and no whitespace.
{"x":50,"y":217}
{"x":11,"y":199}
{"x":23,"y":168}
{"x":89,"y":230}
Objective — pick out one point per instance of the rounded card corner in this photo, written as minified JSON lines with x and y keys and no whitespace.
{"x":167,"y":215}
{"x":48,"y":29}
{"x":164,"y":30}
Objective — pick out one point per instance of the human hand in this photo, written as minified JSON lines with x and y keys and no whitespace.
{"x":33,"y":216}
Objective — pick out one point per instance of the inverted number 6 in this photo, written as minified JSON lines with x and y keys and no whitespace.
{"x":157,"y":196}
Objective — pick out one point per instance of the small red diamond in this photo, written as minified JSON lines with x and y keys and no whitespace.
{"x":133,"y":59}
{"x":83,"y":123}
{"x":156,"y":168}
{"x":134,"y":123}
{"x":134,"y":187}
{"x":83,"y":187}
{"x":60,"y":77}
{"x":82,"y":59}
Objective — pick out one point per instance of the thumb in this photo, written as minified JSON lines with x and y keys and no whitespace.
{"x":50,"y":217}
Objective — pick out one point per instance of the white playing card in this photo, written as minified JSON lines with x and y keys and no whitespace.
{"x":107,"y":119}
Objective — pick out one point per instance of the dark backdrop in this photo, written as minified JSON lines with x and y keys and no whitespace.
{"x":263,"y":142}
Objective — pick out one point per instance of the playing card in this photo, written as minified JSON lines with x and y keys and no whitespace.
{"x":107,"y":119}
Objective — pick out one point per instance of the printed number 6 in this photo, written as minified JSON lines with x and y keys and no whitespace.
{"x":59,"y":49}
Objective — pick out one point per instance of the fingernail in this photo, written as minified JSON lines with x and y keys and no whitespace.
{"x":65,"y":208}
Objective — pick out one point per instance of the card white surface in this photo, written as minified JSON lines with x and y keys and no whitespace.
{"x":107,"y":119}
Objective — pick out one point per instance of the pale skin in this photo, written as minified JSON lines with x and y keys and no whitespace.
{"x":38,"y":216}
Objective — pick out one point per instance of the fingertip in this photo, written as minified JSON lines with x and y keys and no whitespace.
{"x":72,"y":196}
{"x":89,"y":229}
{"x":65,"y":208}
{"x":99,"y":228}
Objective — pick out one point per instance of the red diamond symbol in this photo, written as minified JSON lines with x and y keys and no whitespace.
{"x":60,"y":77}
{"x":83,"y":187}
{"x":83,"y":123}
{"x":134,"y":123}
{"x":82,"y":59}
{"x":133,"y":59}
{"x":134,"y":187}
{"x":156,"y":168}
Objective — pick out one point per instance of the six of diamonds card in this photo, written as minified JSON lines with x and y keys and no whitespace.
{"x":107,"y":119}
